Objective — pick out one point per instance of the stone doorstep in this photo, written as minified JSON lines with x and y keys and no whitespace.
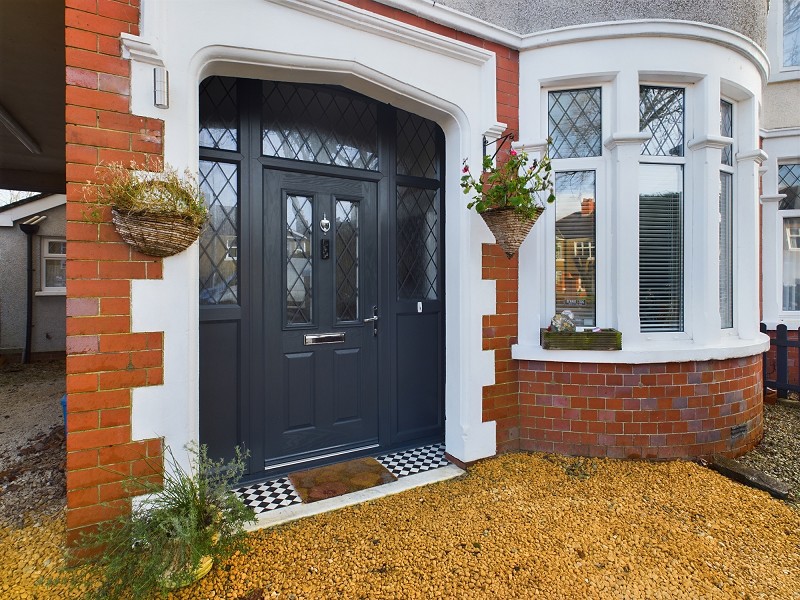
{"x":286,"y":514}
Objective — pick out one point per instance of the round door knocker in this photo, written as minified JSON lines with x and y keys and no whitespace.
{"x":324,"y":224}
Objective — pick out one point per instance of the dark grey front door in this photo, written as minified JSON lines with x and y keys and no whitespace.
{"x":326,"y":208}
{"x":320,"y":284}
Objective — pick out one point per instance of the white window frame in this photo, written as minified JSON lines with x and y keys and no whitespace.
{"x":685,"y":162}
{"x":778,"y":72}
{"x":45,"y":256}
{"x":602,"y":248}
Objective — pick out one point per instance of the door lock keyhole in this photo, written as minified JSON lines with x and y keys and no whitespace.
{"x":324,"y":249}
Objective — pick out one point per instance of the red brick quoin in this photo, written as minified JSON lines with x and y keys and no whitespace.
{"x":105,"y":360}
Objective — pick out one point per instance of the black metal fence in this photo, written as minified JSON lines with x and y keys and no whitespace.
{"x":778,"y":362}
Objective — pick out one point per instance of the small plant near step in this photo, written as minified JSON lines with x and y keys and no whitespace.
{"x":183,"y":525}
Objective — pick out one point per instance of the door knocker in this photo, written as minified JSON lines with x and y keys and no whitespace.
{"x":324,"y":224}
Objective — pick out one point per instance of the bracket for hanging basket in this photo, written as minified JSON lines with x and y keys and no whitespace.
{"x":509,"y":227}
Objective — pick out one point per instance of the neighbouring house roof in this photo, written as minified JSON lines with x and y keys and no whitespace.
{"x":29,"y":206}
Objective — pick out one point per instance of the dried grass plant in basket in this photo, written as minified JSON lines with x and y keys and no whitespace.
{"x":507,"y":196}
{"x":157,"y":213}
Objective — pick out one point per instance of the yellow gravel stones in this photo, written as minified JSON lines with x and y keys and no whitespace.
{"x":518,"y":526}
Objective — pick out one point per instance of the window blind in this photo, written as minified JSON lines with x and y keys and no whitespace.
{"x":661,"y":248}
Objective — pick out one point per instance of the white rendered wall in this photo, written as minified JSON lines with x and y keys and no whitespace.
{"x":322,"y":42}
{"x":710,"y":63}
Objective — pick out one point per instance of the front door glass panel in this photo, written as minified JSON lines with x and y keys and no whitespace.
{"x":299,"y":259}
{"x":347,"y":257}
{"x":219,"y":240}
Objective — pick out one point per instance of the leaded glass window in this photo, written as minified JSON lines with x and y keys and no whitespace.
{"x":576,"y":246}
{"x":417,"y":243}
{"x":219,"y":115}
{"x":299,"y":259}
{"x":789,"y":184}
{"x":219,"y":240}
{"x":416,"y":145}
{"x":726,"y":130}
{"x":661,"y":113}
{"x":347,"y":260}
{"x":575,"y":123}
{"x":661,"y":247}
{"x":329,"y":126}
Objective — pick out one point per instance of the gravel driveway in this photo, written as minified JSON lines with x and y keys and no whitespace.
{"x":518,"y":526}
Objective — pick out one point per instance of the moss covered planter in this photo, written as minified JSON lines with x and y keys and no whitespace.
{"x":605,"y":339}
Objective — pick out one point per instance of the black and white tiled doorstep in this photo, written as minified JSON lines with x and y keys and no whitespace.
{"x":278,"y":493}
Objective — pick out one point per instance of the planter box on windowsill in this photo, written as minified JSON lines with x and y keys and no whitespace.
{"x":605,"y":339}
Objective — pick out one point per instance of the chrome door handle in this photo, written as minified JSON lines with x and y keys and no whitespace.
{"x":374,"y":320}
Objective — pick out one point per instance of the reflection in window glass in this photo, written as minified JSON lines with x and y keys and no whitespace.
{"x":726,"y":130}
{"x":791,"y":33}
{"x":661,"y":247}
{"x":575,"y":123}
{"x":576,"y":246}
{"x":791,"y":263}
{"x":661,"y":115}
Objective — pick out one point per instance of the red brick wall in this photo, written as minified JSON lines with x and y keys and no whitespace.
{"x":104,"y":359}
{"x":667,"y":410}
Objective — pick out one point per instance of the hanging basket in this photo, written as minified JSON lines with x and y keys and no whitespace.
{"x":155,"y":234}
{"x":509,"y":228}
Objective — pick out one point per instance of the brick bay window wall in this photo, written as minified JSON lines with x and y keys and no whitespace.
{"x":104,"y":358}
{"x":653,"y":233}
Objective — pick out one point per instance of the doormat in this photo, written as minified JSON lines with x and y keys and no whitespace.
{"x":338,"y":479}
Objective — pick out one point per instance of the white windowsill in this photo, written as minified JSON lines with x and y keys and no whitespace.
{"x":654,"y":352}
{"x":50,"y":293}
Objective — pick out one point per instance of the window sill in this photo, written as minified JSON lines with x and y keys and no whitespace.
{"x":647,"y":353}
{"x":50,"y":293}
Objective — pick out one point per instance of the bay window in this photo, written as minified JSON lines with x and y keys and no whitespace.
{"x":661,"y":205}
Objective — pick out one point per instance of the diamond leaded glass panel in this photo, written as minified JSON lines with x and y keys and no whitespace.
{"x":219,"y":240}
{"x":299,"y":259}
{"x":575,"y":123}
{"x":219,"y":115}
{"x":321,"y":125}
{"x":416,"y":145}
{"x":347,"y":257}
{"x":726,"y":130}
{"x":789,"y":184}
{"x":417,"y":243}
{"x":661,"y":114}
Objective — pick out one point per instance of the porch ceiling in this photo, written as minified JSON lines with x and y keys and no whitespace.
{"x":32,"y":86}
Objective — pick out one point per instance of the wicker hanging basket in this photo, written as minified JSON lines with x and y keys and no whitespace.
{"x":155,"y":234}
{"x":509,"y":227}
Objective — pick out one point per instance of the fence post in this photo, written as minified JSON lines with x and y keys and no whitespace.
{"x":781,"y":358}
{"x":764,"y":358}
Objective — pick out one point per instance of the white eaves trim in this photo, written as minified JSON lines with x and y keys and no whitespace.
{"x":364,"y":20}
{"x":7,"y":217}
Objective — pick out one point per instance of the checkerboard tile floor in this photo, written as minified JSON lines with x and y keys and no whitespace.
{"x":278,"y":493}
